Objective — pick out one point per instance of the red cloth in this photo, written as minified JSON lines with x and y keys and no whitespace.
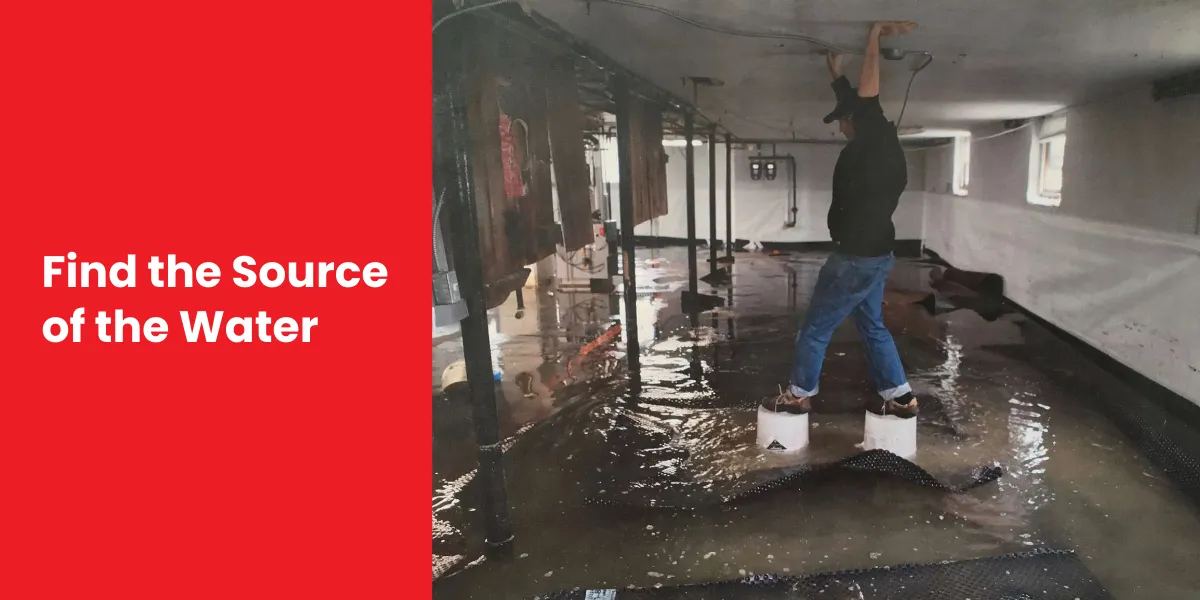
{"x":514,"y":185}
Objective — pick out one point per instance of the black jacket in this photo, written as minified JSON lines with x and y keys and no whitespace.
{"x":870,"y":175}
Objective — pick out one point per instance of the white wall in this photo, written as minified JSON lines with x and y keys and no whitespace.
{"x":760,"y":208}
{"x":1118,"y":263}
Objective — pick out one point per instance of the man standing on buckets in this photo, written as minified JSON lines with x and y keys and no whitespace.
{"x":870,"y":175}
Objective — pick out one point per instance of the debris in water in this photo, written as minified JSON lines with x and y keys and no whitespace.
{"x":525,"y":555}
{"x":876,"y":555}
{"x":709,"y":555}
{"x":742,"y":572}
{"x":649,"y":528}
{"x":654,"y":574}
{"x":548,"y":573}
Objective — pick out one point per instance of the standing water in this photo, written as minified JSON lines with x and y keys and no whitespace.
{"x":596,"y":455}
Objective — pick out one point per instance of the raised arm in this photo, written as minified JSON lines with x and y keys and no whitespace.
{"x":834,"y":61}
{"x":868,"y":82}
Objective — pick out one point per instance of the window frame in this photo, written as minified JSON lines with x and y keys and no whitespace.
{"x":1044,"y":149}
{"x":1047,"y":130}
{"x":961,"y":177}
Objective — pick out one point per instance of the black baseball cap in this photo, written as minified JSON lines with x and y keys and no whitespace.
{"x":847,"y":99}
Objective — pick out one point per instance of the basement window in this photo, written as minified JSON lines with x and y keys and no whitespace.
{"x":962,"y":164}
{"x":1046,"y":161}
{"x":1050,"y":175}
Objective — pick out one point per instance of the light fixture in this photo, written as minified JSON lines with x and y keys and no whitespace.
{"x":681,"y":143}
{"x":770,"y":166}
{"x":756,"y":169}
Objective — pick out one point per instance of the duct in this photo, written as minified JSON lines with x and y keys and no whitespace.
{"x":448,"y":304}
{"x":440,"y":262}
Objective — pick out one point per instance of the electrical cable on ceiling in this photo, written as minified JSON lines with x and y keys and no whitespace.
{"x":973,"y":139}
{"x":928,"y":60}
{"x":467,"y":10}
{"x":1005,"y":132}
{"x":771,"y":35}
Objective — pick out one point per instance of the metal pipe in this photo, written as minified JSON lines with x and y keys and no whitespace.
{"x":814,"y":141}
{"x":712,"y":198}
{"x":477,"y":349}
{"x":625,"y":189}
{"x":792,"y":162}
{"x":690,"y":158}
{"x":728,"y":196}
{"x":792,"y":197}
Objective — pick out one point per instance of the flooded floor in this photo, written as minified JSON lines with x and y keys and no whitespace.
{"x":585,"y":433}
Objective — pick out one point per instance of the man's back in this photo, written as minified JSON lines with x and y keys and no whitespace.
{"x":870,"y":175}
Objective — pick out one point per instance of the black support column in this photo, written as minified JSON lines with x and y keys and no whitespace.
{"x":455,"y":156}
{"x":693,"y":300}
{"x":690,"y":160}
{"x":625,"y":189}
{"x":712,"y":199}
{"x":690,"y":154}
{"x":716,"y":274}
{"x":728,"y":198}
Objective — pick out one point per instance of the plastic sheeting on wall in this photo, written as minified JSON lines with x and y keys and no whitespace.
{"x":760,"y":208}
{"x":761,"y":218}
{"x":1126,"y":291}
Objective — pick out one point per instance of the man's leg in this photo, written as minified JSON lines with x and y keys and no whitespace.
{"x":882,"y":357}
{"x":839,"y":289}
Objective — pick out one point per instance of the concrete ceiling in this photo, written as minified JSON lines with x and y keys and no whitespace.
{"x":994,"y":59}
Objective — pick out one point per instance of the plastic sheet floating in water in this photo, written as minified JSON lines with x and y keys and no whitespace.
{"x":677,"y":496}
{"x":1043,"y":574}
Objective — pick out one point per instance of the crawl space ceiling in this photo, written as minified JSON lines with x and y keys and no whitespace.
{"x":993,"y":59}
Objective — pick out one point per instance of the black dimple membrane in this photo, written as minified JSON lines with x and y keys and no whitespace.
{"x":1042,"y":574}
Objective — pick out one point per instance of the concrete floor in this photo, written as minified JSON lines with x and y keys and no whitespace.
{"x":1072,"y":481}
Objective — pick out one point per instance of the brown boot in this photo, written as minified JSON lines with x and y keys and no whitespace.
{"x":904,"y":407}
{"x":785,"y":402}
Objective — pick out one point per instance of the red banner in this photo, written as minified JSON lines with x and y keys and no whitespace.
{"x":283,"y":131}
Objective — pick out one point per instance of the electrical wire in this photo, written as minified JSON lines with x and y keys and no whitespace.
{"x":910,"y":82}
{"x":1005,"y":132}
{"x":468,"y":10}
{"x":580,"y":265}
{"x":766,"y":35}
{"x":770,"y":35}
{"x":973,"y":139}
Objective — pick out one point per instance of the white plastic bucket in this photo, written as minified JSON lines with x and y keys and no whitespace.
{"x":782,"y":432}
{"x":891,"y":433}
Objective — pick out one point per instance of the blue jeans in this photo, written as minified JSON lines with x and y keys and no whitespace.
{"x":849,"y":285}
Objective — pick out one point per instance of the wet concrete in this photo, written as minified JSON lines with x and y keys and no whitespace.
{"x":582,"y":428}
